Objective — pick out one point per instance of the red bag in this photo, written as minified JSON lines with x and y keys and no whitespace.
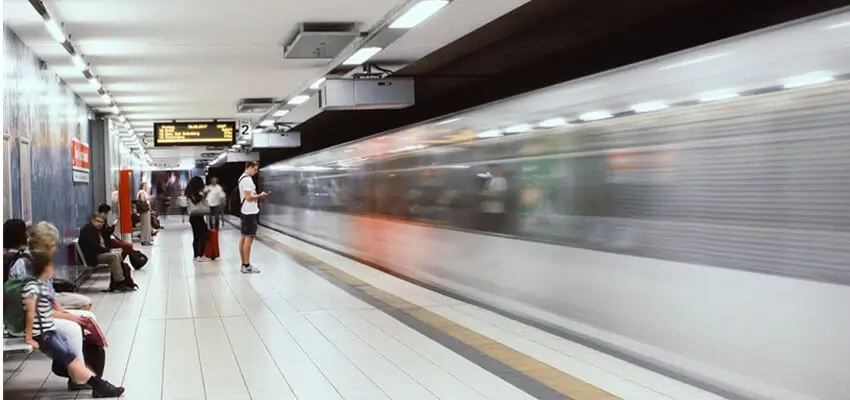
{"x":211,"y":250}
{"x":93,"y":333}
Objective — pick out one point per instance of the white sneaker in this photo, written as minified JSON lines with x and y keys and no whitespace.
{"x":202,"y":259}
{"x":250,"y":269}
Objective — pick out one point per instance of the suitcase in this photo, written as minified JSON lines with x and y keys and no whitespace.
{"x":211,"y":251}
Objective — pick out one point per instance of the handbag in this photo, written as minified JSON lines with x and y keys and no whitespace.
{"x":199,"y":208}
{"x":93,"y":333}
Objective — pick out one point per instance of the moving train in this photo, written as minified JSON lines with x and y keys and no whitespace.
{"x":689,"y":213}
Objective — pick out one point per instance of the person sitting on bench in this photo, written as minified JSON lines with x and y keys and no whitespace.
{"x":108,"y":233}
{"x":40,"y":331}
{"x":95,"y":252}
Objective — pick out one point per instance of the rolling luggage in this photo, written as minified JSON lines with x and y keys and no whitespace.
{"x":211,"y":250}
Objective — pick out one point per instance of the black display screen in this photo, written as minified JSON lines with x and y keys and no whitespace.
{"x":200,"y":133}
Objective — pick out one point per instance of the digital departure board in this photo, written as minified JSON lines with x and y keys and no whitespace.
{"x":200,"y":133}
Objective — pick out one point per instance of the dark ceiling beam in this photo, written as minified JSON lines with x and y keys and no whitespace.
{"x":518,"y":53}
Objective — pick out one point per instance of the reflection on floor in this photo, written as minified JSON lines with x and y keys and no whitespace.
{"x":206,"y":331}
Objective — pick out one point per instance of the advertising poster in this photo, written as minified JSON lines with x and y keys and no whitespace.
{"x":80,"y":160}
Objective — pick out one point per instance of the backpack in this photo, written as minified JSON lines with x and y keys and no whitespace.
{"x":9,"y":260}
{"x":235,"y":195}
{"x":14,"y":316}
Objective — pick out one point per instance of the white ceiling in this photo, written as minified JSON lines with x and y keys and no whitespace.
{"x":194,"y":59}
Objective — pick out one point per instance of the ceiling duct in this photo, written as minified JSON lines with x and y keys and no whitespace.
{"x":255,"y":106}
{"x":317,"y":40}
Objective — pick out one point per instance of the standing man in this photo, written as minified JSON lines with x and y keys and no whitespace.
{"x":250,"y":211}
{"x":215,"y":198}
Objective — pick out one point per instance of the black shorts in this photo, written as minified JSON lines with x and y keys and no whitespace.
{"x":184,"y":210}
{"x":249,"y":224}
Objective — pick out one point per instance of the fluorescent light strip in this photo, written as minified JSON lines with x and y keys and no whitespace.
{"x":94,"y":82}
{"x":595,"y":116}
{"x":115,"y":110}
{"x":418,"y":13}
{"x":448,"y":121}
{"x":106,"y":98}
{"x":78,"y":62}
{"x":318,"y":83}
{"x":492,"y":133}
{"x":55,"y":30}
{"x":692,"y":61}
{"x":649,"y":107}
{"x":268,"y":122}
{"x":300,"y":99}
{"x":812,"y":78}
{"x":280,"y":113}
{"x":362,"y":55}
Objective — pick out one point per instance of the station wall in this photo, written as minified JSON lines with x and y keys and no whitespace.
{"x":42,"y":116}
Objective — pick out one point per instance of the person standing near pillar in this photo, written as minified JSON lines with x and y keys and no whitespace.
{"x":143,"y":206}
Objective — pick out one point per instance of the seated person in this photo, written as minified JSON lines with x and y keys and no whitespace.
{"x":95,"y":252}
{"x":108,"y":233}
{"x":43,"y":237}
{"x":41,"y":333}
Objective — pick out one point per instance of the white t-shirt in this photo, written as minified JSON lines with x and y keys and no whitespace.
{"x":215,"y":196}
{"x":246,"y":184}
{"x":497,"y":187}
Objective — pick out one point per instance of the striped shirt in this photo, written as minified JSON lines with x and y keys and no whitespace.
{"x":43,"y":318}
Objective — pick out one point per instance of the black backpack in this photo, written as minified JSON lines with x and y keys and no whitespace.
{"x":237,"y":211}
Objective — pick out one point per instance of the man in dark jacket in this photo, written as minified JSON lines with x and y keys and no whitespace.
{"x":96,"y":252}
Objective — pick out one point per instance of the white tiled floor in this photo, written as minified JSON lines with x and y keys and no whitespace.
{"x":207,"y":331}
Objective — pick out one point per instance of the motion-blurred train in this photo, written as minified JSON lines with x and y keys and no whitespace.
{"x":690,"y":213}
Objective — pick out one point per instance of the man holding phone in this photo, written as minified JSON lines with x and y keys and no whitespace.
{"x":250,"y":211}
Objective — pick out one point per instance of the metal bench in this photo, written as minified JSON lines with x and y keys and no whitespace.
{"x":13,"y":345}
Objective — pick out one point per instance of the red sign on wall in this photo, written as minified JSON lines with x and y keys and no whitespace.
{"x":80,"y":160}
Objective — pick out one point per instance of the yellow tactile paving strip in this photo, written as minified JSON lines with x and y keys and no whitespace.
{"x":555,"y":379}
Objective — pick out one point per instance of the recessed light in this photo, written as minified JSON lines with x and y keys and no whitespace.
{"x":300,"y":99}
{"x":318,"y":83}
{"x":418,"y":13}
{"x":718,"y":95}
{"x":552,"y":123}
{"x":649,"y":106}
{"x":595,"y":115}
{"x":362,"y":55}
{"x":811,"y":78}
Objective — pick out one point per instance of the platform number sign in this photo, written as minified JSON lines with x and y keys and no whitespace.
{"x":244,"y":127}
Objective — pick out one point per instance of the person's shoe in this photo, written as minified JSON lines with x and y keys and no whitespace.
{"x":119,"y":287}
{"x":76,"y":387}
{"x":250,"y":269}
{"x":129,"y":285}
{"x":104,"y":389}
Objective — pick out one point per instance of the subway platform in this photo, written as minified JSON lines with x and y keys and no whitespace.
{"x":316,"y":325}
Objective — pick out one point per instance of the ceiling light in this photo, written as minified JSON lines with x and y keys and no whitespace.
{"x":55,"y":31}
{"x":257,"y":130}
{"x":94,"y":82}
{"x":649,"y":106}
{"x":812,"y":78}
{"x":281,"y":113}
{"x":595,"y":115}
{"x":418,"y":13}
{"x":490,"y":134}
{"x":552,"y":123}
{"x":362,"y":55}
{"x":691,"y":61}
{"x":318,"y":83}
{"x":268,"y":122}
{"x":519,"y":128}
{"x":115,"y":110}
{"x":122,"y":118}
{"x":300,"y":99}
{"x":718,"y":95}
{"x":839,"y":25}
{"x":78,"y":62}
{"x":132,"y":132}
{"x":106,"y":97}
{"x":448,"y":121}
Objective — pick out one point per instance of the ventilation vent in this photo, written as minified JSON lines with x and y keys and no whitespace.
{"x":322,"y":41}
{"x":255,"y":106}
